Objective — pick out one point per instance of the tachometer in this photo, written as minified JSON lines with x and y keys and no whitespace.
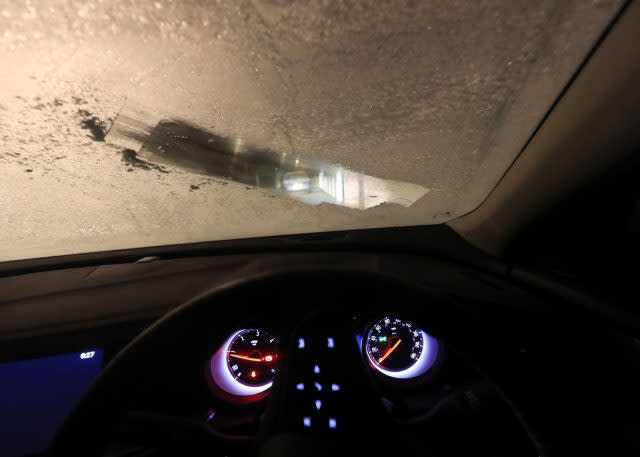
{"x":400,"y":349}
{"x":245,"y":364}
{"x":251,"y":357}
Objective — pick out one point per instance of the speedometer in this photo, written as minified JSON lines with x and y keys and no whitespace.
{"x":400,"y":349}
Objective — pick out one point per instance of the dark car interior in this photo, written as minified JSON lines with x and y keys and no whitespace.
{"x":521,"y":368}
{"x":512,"y":331}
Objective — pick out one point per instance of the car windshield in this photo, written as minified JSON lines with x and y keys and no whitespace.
{"x":128,"y":123}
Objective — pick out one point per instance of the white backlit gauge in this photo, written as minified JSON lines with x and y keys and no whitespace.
{"x":399,"y":349}
{"x":251,"y":357}
{"x":245,"y":364}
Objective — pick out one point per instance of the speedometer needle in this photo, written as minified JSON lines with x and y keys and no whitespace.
{"x":244,"y":357}
{"x":388,"y":353}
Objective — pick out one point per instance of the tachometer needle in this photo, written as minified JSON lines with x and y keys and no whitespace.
{"x":244,"y":357}
{"x":388,"y":353}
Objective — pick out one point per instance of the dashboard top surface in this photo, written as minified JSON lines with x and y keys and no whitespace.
{"x":71,"y":299}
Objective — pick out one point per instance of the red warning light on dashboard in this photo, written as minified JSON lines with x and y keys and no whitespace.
{"x":268,"y":358}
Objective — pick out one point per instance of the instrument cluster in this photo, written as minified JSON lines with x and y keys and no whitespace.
{"x":243,"y":368}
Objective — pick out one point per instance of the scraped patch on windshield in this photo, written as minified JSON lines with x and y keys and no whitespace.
{"x":153,"y":144}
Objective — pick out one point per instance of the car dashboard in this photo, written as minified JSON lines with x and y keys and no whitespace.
{"x":336,"y":351}
{"x":407,"y":370}
{"x":330,"y":370}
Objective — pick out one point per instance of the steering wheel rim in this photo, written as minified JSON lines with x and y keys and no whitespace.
{"x":88,"y":427}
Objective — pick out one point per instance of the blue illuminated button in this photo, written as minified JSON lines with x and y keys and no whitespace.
{"x":316,"y":369}
{"x":318,"y":386}
{"x":332,"y":423}
{"x":335,"y":387}
{"x":330,"y":343}
{"x":306,"y":421}
{"x":300,"y":386}
{"x":300,"y":343}
{"x":318,"y":404}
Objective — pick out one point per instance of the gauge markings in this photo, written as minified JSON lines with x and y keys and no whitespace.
{"x":393,"y":344}
{"x":250,"y":357}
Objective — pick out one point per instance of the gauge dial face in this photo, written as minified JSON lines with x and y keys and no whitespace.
{"x":251,"y":357}
{"x":399,"y":349}
{"x":394,"y":345}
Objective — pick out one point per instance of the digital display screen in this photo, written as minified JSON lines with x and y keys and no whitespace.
{"x":37,"y":395}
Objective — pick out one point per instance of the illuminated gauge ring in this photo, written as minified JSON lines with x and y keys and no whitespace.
{"x":425,"y":360}
{"x":222,"y":375}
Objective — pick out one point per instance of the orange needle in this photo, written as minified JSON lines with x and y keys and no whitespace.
{"x":388,"y":353}
{"x":244,"y":357}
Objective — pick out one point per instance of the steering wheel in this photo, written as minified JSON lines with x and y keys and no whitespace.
{"x":305,"y":302}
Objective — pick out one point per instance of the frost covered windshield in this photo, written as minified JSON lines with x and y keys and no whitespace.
{"x":129,"y":123}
